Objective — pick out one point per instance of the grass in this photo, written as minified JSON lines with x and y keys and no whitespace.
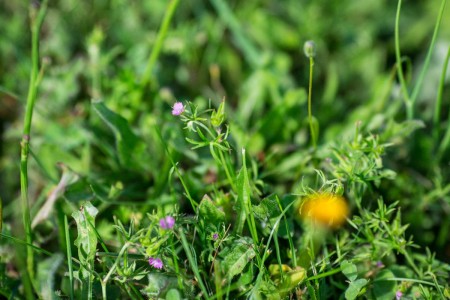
{"x":186,"y":140}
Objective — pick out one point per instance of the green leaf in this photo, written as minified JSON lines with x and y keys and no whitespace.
{"x":243,"y":188}
{"x":217,"y":117}
{"x":173,"y":294}
{"x":210,"y":213}
{"x":349,"y":270}
{"x":130,"y":148}
{"x":46,"y":270}
{"x":355,"y":288}
{"x":384,"y":289}
{"x":237,"y":257}
{"x":267,"y":212}
{"x":158,"y":284}
{"x":87,"y":238}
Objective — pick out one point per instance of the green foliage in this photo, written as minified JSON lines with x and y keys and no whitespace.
{"x":233,"y":168}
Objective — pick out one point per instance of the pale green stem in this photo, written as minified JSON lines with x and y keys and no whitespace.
{"x":401,"y":76}
{"x":438,"y":105}
{"x":37,"y":18}
{"x":147,"y":77}
{"x":310,"y":120}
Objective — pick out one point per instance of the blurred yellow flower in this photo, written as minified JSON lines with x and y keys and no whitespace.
{"x":324,"y":208}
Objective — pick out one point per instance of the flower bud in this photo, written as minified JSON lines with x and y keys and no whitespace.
{"x":217,"y":117}
{"x":309,"y":48}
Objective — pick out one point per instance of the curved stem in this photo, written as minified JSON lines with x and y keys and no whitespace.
{"x":401,"y":76}
{"x":146,"y":78}
{"x":430,"y":51}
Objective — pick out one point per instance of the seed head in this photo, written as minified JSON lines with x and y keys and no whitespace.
{"x":309,"y":48}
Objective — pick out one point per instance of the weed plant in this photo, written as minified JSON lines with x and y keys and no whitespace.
{"x":224,"y":150}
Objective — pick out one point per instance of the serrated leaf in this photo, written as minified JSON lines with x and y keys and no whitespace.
{"x":349,"y":270}
{"x":355,"y":288}
{"x":384,"y":289}
{"x":267,"y":212}
{"x":210,"y":213}
{"x":237,"y":257}
{"x":87,"y":239}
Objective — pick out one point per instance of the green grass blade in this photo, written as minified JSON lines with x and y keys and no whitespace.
{"x":69,"y":256}
{"x":193,"y":263}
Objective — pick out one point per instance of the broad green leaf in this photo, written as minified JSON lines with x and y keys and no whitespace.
{"x":129,"y":146}
{"x":210,"y":213}
{"x":46,"y":270}
{"x":349,"y":270}
{"x":267,"y":212}
{"x":87,"y":238}
{"x":158,"y":284}
{"x":384,"y":289}
{"x":355,"y":288}
{"x":173,"y":294}
{"x":238,"y":257}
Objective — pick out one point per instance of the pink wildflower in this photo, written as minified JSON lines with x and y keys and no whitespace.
{"x":167,"y":222}
{"x":398,"y":295}
{"x":177,"y":109}
{"x":155,"y":262}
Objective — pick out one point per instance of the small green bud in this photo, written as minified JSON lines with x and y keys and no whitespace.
{"x":217,"y":117}
{"x":309,"y":48}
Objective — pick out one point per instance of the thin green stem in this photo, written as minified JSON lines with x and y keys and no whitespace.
{"x":407,"y":280}
{"x":147,"y":77}
{"x":192,"y":262}
{"x":326,"y":274}
{"x":231,"y":179}
{"x":37,"y":18}
{"x":401,"y":76}
{"x":438,"y":105}
{"x":1,"y":215}
{"x":113,"y":268}
{"x":310,"y":118}
{"x":194,"y":204}
{"x":419,"y":83}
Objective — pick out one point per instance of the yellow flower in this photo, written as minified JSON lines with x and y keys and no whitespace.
{"x":324,"y":208}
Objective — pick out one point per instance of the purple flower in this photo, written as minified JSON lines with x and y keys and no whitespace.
{"x":167,"y":222}
{"x":177,"y":109}
{"x":215,"y":236}
{"x":379,"y":264}
{"x":155,"y":262}
{"x":398,"y":295}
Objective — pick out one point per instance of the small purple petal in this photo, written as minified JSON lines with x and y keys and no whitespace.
{"x":215,"y":236}
{"x":177,"y":109}
{"x":155,"y":262}
{"x":167,"y":222}
{"x":398,"y":295}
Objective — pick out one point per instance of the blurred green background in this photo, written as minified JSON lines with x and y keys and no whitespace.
{"x":251,"y":53}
